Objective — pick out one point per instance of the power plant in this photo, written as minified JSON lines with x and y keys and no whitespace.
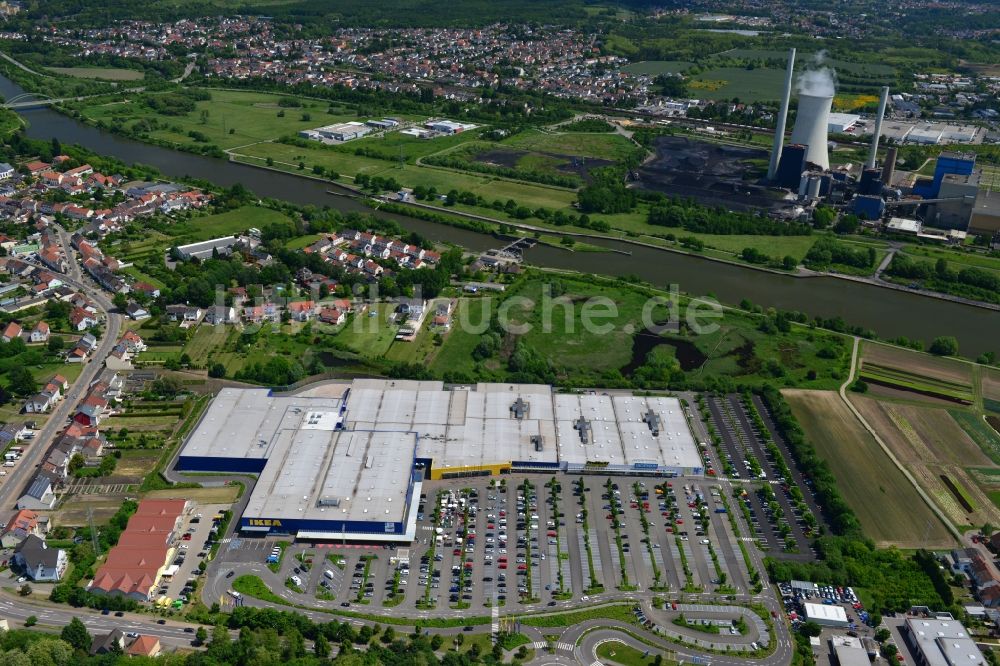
{"x":952,"y":202}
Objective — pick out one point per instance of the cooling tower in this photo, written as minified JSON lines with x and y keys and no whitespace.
{"x":779,"y":128}
{"x":811,"y":123}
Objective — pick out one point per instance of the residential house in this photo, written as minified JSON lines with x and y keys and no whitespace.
{"x":220,"y":314}
{"x":146,"y":289}
{"x":183,"y":313}
{"x":39,"y":562}
{"x":136,"y":312}
{"x":11,"y":331}
{"x":6,"y":171}
{"x":120,"y":358}
{"x":144,"y":646}
{"x":24,"y":524}
{"x":134,"y":342}
{"x":40,"y":333}
{"x":113,"y":642}
{"x":302,"y":310}
{"x":39,"y":496}
{"x":84,"y":346}
{"x":92,"y":409}
{"x":332,"y":316}
{"x":12,"y":432}
{"x":82,"y":319}
{"x":50,"y":394}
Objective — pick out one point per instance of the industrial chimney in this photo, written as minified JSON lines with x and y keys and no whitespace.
{"x":889,"y":165}
{"x":878,"y":127}
{"x":779,"y":127}
{"x":811,"y":123}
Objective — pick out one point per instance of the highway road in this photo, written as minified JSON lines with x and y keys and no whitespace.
{"x":16,"y":610}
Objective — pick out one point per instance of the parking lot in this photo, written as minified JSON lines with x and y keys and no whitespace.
{"x":794,"y":598}
{"x":520,"y":542}
{"x":191,"y":546}
{"x":777,"y":520}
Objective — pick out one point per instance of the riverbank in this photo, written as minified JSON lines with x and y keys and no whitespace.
{"x":891,"y":313}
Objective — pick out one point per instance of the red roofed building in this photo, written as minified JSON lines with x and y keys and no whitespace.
{"x":23,"y":524}
{"x":135,"y":564}
{"x":144,"y":646}
{"x":12,"y":331}
{"x":37,"y":167}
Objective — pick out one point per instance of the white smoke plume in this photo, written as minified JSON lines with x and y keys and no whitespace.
{"x":817,"y":79}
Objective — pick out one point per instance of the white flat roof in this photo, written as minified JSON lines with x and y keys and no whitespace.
{"x":328,"y":459}
{"x":824,"y":612}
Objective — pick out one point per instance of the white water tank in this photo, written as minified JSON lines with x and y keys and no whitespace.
{"x":811,"y":127}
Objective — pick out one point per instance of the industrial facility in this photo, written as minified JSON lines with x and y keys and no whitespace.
{"x":350,"y":466}
{"x":338,"y":133}
{"x":945,"y":208}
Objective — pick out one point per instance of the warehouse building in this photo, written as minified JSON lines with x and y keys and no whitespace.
{"x":838,"y":123}
{"x":337,"y":133}
{"x":350,"y":466}
{"x":826,"y":615}
{"x":941,"y":643}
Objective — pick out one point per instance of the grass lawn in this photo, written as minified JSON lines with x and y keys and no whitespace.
{"x":205,"y":341}
{"x":886,"y":503}
{"x":411,"y":175}
{"x":302,"y":241}
{"x":235,"y":118}
{"x":371,"y":333}
{"x":956,"y":258}
{"x":580,"y":144}
{"x":619,"y":653}
{"x":226,"y":224}
{"x":395,"y":144}
{"x":580,"y":354}
{"x":108,"y":73}
{"x":422,"y":349}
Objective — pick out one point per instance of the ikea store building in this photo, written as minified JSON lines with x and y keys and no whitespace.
{"x":345,"y":461}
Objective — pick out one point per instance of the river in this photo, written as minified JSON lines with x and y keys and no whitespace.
{"x":890,"y":313}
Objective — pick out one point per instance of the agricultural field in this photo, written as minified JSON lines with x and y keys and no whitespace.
{"x":896,"y":372}
{"x":657,"y":67}
{"x":887,"y":505}
{"x":991,"y":389}
{"x":106,"y":73}
{"x":936,"y":451}
{"x":229,"y":119}
{"x":859,"y":68}
{"x":756,"y":85}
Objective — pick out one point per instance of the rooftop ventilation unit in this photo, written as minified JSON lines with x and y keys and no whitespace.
{"x":652,"y":420}
{"x":328,"y":501}
{"x":536,"y":441}
{"x":519,"y":409}
{"x":582,"y":426}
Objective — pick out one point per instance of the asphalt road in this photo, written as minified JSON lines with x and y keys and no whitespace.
{"x":21,"y":476}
